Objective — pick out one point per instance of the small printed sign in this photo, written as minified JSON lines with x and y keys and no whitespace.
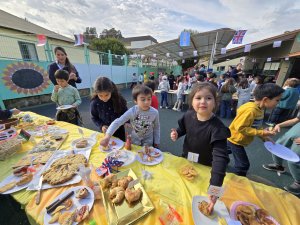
{"x":193,"y":157}
{"x":132,"y":183}
{"x":216,"y":191}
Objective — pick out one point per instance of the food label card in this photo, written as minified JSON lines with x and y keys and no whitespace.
{"x":193,"y":157}
{"x":216,"y":191}
{"x":132,"y":183}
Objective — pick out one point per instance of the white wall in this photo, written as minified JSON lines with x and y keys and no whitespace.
{"x":118,"y":74}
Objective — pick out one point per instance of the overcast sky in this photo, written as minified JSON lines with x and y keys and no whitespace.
{"x":162,"y":19}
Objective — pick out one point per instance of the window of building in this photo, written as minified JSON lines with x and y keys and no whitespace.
{"x":270,"y":68}
{"x":28,"y":51}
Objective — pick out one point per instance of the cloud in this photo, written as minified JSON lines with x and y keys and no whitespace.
{"x":164,"y":20}
{"x":35,"y":18}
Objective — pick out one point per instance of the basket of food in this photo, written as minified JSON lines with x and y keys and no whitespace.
{"x":9,"y":122}
{"x":9,"y":147}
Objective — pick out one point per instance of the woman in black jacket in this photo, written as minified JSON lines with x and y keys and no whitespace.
{"x":63,"y":63}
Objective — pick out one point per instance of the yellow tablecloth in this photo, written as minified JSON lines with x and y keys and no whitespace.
{"x":166,"y":187}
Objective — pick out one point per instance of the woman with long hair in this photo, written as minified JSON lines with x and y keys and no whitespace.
{"x":63,"y":63}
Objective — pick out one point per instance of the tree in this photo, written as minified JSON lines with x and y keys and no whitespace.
{"x":112,"y":44}
{"x":89,"y":34}
{"x":111,"y":33}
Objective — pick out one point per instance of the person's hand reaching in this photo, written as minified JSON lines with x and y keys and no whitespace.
{"x":174,"y":134}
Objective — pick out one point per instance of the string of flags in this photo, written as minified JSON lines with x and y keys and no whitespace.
{"x":185,"y":39}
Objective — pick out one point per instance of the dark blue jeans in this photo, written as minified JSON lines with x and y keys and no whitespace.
{"x":241,"y":161}
{"x":225,"y":109}
{"x":164,"y":98}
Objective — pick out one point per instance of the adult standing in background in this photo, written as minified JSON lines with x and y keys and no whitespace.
{"x":63,"y":63}
{"x":236,"y":72}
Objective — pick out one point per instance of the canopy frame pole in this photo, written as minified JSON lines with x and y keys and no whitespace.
{"x":213,"y":51}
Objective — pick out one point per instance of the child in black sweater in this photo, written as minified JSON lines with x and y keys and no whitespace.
{"x":107,"y":105}
{"x":204,"y":133}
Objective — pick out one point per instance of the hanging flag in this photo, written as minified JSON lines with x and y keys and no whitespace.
{"x":195,"y":60}
{"x":168,"y":54}
{"x":269,"y":59}
{"x":223,"y":51}
{"x":195,"y":53}
{"x":276,"y":44}
{"x":41,"y":39}
{"x":154,"y":55}
{"x":253,"y":60}
{"x":185,"y":38}
{"x":247,"y":48}
{"x":238,"y":36}
{"x":183,"y":61}
{"x":286,"y":58}
{"x":78,"y":39}
{"x":180,"y":54}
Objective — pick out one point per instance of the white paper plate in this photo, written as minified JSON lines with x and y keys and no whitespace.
{"x":118,"y":145}
{"x":237,"y":203}
{"x":125,"y":156}
{"x":282,"y":151}
{"x":58,"y":154}
{"x":64,"y":107}
{"x":156,"y":160}
{"x":91,"y":143}
{"x":77,"y":203}
{"x":220,"y":210}
{"x":12,"y":178}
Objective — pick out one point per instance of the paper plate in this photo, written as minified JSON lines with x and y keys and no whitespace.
{"x":64,"y":107}
{"x":125,"y":156}
{"x":91,"y":143}
{"x":76,"y":202}
{"x":157,"y":160}
{"x":114,"y":144}
{"x":220,"y":210}
{"x":282,"y":151}
{"x":237,"y":203}
{"x":12,"y":178}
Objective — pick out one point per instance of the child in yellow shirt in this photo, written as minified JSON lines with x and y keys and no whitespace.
{"x":248,"y":123}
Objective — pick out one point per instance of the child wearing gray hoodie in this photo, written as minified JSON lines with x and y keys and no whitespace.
{"x":164,"y":87}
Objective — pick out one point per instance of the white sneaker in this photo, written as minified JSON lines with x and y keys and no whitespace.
{"x":179,"y":110}
{"x":174,"y":109}
{"x":161,"y":107}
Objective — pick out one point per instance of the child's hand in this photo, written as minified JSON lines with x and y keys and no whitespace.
{"x":297,"y":141}
{"x":276,"y":128}
{"x":74,"y":105}
{"x":15,"y":111}
{"x":174,"y":134}
{"x":268,"y":133}
{"x":212,"y":201}
{"x":56,"y":87}
{"x":105,"y":141}
{"x":104,"y":129}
